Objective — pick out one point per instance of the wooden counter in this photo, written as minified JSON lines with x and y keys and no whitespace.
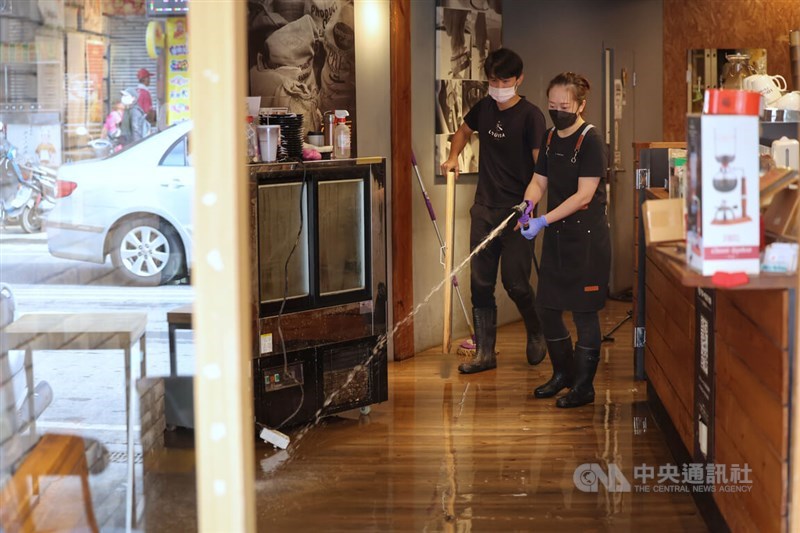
{"x":751,"y":374}
{"x":674,"y":257}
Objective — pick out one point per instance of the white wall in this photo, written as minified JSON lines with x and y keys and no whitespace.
{"x":428,"y":271}
{"x":373,"y":90}
{"x":373,"y":78}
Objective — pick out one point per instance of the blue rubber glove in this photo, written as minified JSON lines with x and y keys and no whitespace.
{"x":533,"y":227}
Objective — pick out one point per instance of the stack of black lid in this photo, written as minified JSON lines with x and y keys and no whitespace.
{"x":291,"y":124}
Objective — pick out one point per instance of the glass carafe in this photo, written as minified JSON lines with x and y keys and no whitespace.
{"x":735,"y":71}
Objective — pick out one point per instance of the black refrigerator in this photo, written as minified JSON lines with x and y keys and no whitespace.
{"x":320,"y":278}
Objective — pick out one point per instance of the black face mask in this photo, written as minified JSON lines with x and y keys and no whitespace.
{"x":562,"y":119}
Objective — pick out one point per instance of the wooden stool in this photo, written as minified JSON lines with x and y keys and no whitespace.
{"x":29,"y":504}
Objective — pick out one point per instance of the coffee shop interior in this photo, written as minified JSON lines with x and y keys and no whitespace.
{"x":326,"y":326}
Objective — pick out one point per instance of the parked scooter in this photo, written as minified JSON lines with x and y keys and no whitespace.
{"x":14,"y":191}
{"x":24,"y":200}
{"x":44,"y":199}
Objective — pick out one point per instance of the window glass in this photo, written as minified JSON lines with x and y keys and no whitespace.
{"x":176,"y":156}
{"x":95,"y":256}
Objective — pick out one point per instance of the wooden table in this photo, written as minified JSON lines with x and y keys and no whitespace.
{"x":178,"y":318}
{"x":87,"y":331}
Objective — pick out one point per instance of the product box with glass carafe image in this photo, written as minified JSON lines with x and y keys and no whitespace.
{"x":722,"y":200}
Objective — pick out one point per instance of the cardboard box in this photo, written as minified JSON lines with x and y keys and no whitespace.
{"x":663,"y":220}
{"x":780,"y":217}
{"x":773,"y":181}
{"x":722,"y":201}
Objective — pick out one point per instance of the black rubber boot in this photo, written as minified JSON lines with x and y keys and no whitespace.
{"x":582,"y":392}
{"x":536,"y":348}
{"x":484,"y":320}
{"x":561,"y":356}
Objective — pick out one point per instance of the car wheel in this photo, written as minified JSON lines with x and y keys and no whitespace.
{"x":31,"y":220}
{"x":147,"y":251}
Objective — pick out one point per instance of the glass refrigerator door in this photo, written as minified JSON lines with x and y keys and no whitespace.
{"x":279,"y":221}
{"x":341,"y":224}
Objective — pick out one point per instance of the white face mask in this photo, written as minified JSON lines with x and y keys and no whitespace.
{"x":502,"y":94}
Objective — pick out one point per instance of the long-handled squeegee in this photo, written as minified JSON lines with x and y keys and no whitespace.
{"x":468,"y":344}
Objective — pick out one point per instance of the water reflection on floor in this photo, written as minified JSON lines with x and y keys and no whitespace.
{"x":456,"y":454}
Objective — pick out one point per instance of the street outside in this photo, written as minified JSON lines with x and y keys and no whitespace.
{"x":89,"y":386}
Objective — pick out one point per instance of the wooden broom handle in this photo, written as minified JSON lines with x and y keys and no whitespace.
{"x":449,"y":237}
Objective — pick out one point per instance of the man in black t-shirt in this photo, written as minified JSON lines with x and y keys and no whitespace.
{"x":510,"y":130}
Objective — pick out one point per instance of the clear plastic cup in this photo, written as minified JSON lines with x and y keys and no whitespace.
{"x":268,"y":139}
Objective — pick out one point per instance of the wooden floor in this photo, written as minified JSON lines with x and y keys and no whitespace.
{"x":457,"y":453}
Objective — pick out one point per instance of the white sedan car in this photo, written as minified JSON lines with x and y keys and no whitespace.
{"x":135,"y":205}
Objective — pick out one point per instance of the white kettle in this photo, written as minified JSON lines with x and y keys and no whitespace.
{"x":786,"y":153}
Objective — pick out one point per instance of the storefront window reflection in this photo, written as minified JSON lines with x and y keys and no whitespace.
{"x":96,"y":194}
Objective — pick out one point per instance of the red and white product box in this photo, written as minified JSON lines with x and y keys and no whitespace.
{"x":722,"y":200}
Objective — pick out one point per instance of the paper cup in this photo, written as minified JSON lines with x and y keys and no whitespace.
{"x":253,"y":103}
{"x":268,"y":139}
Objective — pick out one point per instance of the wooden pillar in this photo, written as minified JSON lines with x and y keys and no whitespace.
{"x":402,"y":255}
{"x":223,"y":395}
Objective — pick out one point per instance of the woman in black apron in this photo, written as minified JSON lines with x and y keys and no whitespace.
{"x":576,"y":255}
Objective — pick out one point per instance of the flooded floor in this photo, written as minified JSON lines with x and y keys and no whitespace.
{"x":455,"y":452}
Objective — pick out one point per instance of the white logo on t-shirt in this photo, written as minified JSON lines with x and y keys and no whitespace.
{"x":498,"y":132}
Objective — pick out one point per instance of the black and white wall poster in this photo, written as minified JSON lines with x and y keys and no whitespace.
{"x":301,"y":55}
{"x":466,"y":31}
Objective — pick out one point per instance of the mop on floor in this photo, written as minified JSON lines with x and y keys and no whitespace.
{"x":467,"y":346}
